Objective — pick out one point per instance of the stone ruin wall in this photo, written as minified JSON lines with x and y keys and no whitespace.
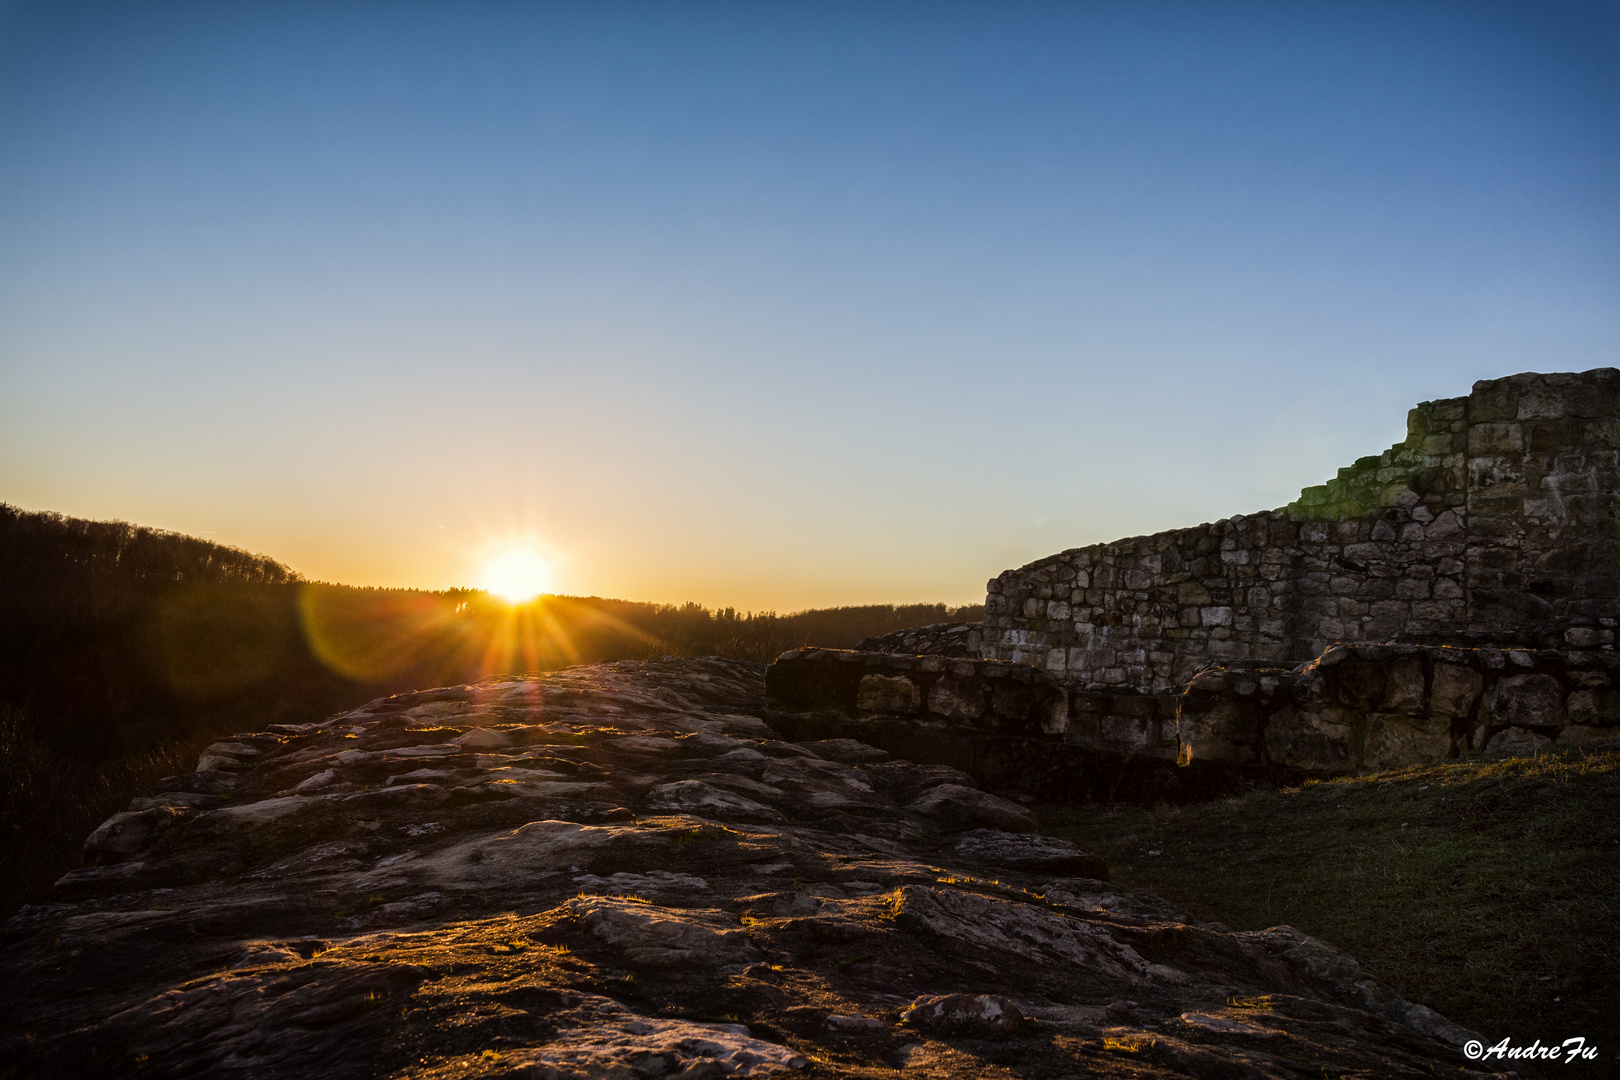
{"x":1494,"y":521}
{"x":1372,"y":706}
{"x":1356,"y":708}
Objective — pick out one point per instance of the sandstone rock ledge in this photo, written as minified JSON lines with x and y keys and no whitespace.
{"x":620,"y":871}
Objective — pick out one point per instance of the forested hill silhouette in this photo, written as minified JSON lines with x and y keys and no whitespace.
{"x":122,"y":648}
{"x":91,"y":612}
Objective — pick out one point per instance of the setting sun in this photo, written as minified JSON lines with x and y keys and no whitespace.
{"x":516,"y":576}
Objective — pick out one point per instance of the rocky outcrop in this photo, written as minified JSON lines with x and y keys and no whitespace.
{"x":621,"y":871}
{"x":936,"y":639}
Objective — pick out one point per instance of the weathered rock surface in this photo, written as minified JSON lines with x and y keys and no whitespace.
{"x":935,"y":639}
{"x":620,"y":871}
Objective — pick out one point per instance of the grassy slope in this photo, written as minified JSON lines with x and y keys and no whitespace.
{"x":1488,"y":890}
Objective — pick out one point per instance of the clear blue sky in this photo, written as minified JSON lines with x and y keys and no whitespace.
{"x":772,"y":304}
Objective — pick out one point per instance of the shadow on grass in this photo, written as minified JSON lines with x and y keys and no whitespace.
{"x":1484,"y":889}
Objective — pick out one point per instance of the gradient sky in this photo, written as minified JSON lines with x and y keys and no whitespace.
{"x":774,"y":305}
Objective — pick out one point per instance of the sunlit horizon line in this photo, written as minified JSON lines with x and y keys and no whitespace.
{"x":742,"y":609}
{"x":516,"y":574}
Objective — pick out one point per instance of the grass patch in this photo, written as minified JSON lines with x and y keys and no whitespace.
{"x":50,"y":801}
{"x":843,"y":966}
{"x":1484,"y":889}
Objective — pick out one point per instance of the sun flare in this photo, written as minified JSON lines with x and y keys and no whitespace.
{"x":516,"y":576}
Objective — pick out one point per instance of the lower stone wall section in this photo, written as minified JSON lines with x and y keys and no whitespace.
{"x":1356,"y":708}
{"x":1370,"y":707}
{"x":1012,"y":727}
{"x":992,"y":696}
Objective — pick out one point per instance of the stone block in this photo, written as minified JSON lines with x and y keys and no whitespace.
{"x":1361,"y":684}
{"x":1220,"y":729}
{"x":1495,"y":403}
{"x":1581,"y":709}
{"x":1446,"y":526}
{"x":1412,"y":590}
{"x":1495,"y":438}
{"x":1305,"y":737}
{"x":1431,"y":480}
{"x":1404,"y":689}
{"x":1516,"y":740}
{"x":1129,"y":734}
{"x":1438,"y":613}
{"x":1527,"y":701}
{"x":1580,"y":735}
{"x":1541,"y":403}
{"x":1398,"y":740}
{"x":1570,"y":558}
{"x":1335,"y":629}
{"x":1455,"y":689}
{"x":1551,"y":437}
{"x":1594,"y":707}
{"x":1591,"y":400}
{"x":1011,"y":701}
{"x":1193,"y":593}
{"x":1588,"y":678}
{"x":1495,"y":526}
{"x":888,"y":694}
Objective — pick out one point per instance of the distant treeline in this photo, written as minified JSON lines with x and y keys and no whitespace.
{"x":124,"y":649}
{"x":108,"y":629}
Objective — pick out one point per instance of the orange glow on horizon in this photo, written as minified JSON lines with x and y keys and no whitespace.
{"x":376,"y":635}
{"x":516,"y":576}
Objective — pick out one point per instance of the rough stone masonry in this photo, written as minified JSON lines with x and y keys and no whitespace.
{"x":1456,"y":594}
{"x":1494,"y":522}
